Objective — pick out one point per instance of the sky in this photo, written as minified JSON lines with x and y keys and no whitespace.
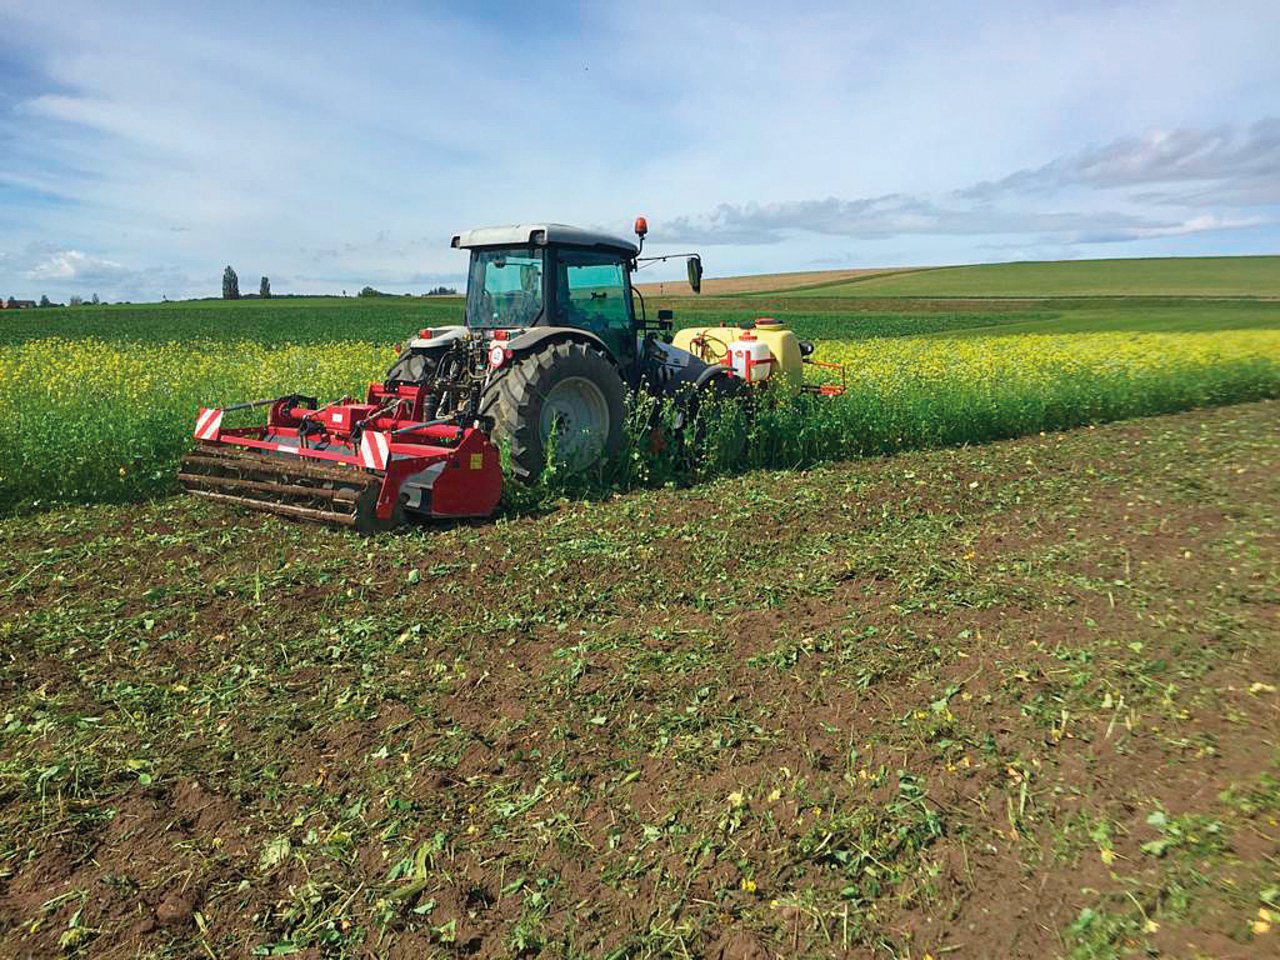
{"x":143,"y":147}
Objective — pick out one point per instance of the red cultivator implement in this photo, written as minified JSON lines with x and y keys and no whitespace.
{"x":411,"y":449}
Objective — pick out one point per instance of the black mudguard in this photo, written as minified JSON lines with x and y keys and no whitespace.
{"x":534,"y":337}
{"x":671,"y":372}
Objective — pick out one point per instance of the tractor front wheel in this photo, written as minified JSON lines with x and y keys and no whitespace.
{"x":564,"y":404}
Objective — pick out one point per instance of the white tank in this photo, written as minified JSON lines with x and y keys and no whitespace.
{"x":750,"y":358}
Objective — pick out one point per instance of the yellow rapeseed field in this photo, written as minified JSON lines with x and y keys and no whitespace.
{"x":89,"y":420}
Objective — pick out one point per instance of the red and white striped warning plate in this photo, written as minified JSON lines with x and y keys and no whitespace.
{"x":375,"y":448}
{"x":208,"y":423}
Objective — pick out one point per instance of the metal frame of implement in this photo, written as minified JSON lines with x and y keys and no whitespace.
{"x":357,"y":464}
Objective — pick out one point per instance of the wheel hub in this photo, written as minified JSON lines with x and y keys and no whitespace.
{"x":576,"y":413}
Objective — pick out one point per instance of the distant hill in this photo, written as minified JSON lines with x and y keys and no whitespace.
{"x":1167,"y":276}
{"x":759,"y":283}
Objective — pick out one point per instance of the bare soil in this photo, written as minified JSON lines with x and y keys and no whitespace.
{"x":1011,"y":701}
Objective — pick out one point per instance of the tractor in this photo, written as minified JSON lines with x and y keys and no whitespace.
{"x":554,"y":338}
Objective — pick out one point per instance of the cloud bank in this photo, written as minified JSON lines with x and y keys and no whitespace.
{"x":1226,"y":165}
{"x":1100,"y":194}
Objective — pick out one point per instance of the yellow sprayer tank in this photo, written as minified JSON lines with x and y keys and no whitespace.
{"x":712,"y":343}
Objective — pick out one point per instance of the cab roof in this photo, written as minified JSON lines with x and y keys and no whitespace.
{"x":541,"y":234}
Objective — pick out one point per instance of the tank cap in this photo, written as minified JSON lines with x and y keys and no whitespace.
{"x":768,"y":322}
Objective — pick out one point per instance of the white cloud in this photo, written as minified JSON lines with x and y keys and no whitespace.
{"x":73,"y":265}
{"x":882,"y":217}
{"x":1015,"y":205}
{"x":44,"y":268}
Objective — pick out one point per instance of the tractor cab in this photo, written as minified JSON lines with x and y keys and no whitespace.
{"x":551,"y":275}
{"x":558,"y":337}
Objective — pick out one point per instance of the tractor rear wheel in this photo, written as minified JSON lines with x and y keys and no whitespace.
{"x":565,"y":403}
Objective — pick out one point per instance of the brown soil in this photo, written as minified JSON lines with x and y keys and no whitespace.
{"x":671,"y":743}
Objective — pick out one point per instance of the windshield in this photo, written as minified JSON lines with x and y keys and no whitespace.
{"x":505,"y":287}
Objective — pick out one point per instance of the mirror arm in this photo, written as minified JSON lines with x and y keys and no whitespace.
{"x":669,"y":256}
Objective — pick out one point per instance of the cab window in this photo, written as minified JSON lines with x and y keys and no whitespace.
{"x":593,"y":297}
{"x":505,"y":288}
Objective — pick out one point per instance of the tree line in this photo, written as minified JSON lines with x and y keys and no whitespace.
{"x":231,"y":288}
{"x":44,"y":301}
{"x":231,"y":291}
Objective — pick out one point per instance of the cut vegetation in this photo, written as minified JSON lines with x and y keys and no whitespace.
{"x":1012,"y":701}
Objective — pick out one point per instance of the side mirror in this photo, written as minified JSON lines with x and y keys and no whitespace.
{"x":694,"y":267}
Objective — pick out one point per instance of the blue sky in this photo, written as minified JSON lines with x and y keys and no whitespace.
{"x":143,"y":147}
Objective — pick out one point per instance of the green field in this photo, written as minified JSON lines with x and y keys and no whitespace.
{"x":387,"y":320}
{"x":1165,"y":277}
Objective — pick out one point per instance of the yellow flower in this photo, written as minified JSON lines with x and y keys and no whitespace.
{"x":748,"y":885}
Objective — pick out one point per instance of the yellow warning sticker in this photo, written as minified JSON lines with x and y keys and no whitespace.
{"x":477,"y":461}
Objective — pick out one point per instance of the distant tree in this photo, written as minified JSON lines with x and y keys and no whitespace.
{"x":44,"y":301}
{"x":95,"y":301}
{"x":230,"y":285}
{"x":76,"y":301}
{"x":264,"y":288}
{"x":442,"y":292}
{"x":369,"y":292}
